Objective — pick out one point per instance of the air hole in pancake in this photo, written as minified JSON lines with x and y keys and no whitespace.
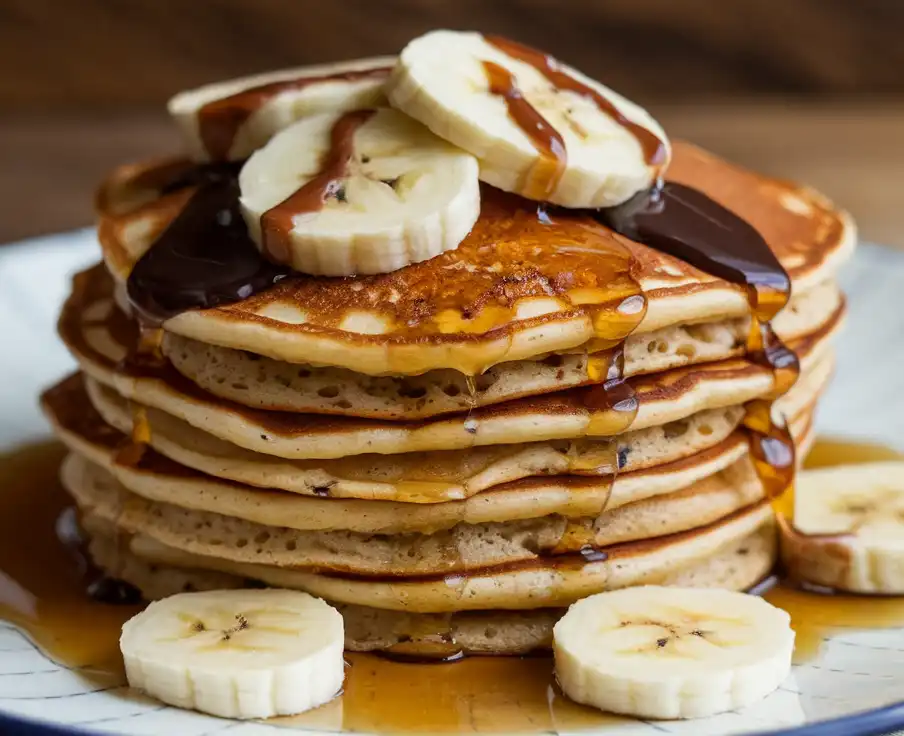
{"x":687,"y":350}
{"x":291,"y":546}
{"x":262,"y":537}
{"x":450,"y":389}
{"x":651,"y":346}
{"x":484,"y":382}
{"x":281,"y":380}
{"x":553,"y":360}
{"x":702,"y":333}
{"x":216,"y":542}
{"x":705,"y":429}
{"x":662,"y":347}
{"x":241,"y":543}
{"x":412,"y":392}
{"x":328,"y":392}
{"x":304,"y":373}
{"x":344,"y":404}
{"x":490,"y":632}
{"x":675,"y":429}
{"x":252,"y":356}
{"x":239,"y":386}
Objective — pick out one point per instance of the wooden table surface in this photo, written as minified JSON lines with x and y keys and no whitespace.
{"x":49,"y":166}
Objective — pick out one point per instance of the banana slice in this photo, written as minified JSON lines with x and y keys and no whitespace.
{"x":237,"y":653}
{"x":658,"y":652}
{"x":539,"y":128}
{"x":847,"y":531}
{"x":230,"y":120}
{"x":363,"y":192}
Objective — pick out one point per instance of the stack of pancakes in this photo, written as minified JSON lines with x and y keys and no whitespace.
{"x":427,"y":449}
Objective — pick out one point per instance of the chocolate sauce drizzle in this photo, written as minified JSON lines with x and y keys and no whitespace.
{"x":685,"y":223}
{"x":219,"y":121}
{"x":205,"y":257}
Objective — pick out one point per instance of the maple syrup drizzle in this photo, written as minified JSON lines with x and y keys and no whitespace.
{"x":471,"y":386}
{"x":144,"y":354}
{"x":277,"y":222}
{"x":686,"y":223}
{"x":544,"y":177}
{"x":219,"y":121}
{"x":654,"y":149}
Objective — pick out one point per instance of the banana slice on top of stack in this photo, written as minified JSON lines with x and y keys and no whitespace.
{"x":337,"y":184}
{"x":228,"y":121}
{"x":847,"y":528}
{"x":364,"y":192}
{"x":538,"y":127}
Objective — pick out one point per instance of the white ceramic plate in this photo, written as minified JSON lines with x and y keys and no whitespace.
{"x":854,"y":687}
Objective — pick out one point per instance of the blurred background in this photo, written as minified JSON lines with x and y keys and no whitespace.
{"x":805,"y":89}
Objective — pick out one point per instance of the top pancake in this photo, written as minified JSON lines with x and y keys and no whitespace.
{"x":517,"y":287}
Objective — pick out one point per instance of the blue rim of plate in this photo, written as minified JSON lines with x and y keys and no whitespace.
{"x":882,"y":721}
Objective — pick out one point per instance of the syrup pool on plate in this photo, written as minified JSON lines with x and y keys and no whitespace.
{"x":43,"y":592}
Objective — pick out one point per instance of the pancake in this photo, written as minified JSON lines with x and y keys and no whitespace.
{"x":159,"y":479}
{"x":264,"y":383}
{"x":109,"y":550}
{"x":519,"y":286}
{"x":431,"y":478}
{"x":465,"y":547}
{"x":661,"y":398}
{"x":101,"y":336}
{"x":532,"y":584}
{"x":737,"y":567}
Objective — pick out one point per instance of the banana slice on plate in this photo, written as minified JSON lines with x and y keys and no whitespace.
{"x":230,"y":120}
{"x":237,"y":653}
{"x":659,"y":652}
{"x":362,"y":192}
{"x":539,"y":128}
{"x":847,"y":529}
